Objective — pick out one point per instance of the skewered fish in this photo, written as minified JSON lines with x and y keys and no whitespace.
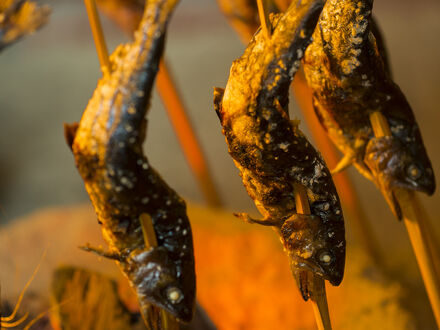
{"x":107,"y":145}
{"x":18,"y":18}
{"x":346,"y":68}
{"x":273,"y":155}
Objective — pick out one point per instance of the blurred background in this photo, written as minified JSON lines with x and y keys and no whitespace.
{"x":47,"y":79}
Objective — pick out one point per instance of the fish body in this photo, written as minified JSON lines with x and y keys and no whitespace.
{"x":273,"y":155}
{"x":122,"y":185}
{"x":347,"y":69}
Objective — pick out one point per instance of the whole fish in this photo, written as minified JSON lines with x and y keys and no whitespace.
{"x":273,"y":155}
{"x":122,"y":185}
{"x":348,"y":72}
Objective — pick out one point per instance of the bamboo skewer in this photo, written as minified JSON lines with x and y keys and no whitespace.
{"x":175,"y":109}
{"x":318,"y":294}
{"x":264,"y":17}
{"x":416,"y":228}
{"x":98,"y":35}
{"x":345,"y":187}
{"x":429,"y":232}
{"x":186,"y":135}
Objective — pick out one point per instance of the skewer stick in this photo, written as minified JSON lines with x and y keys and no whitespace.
{"x":168,"y":322}
{"x":185,"y":134}
{"x":318,"y":295}
{"x":264,"y":17}
{"x":346,"y":190}
{"x":98,"y":35}
{"x":148,"y":232}
{"x":429,"y":232}
{"x":415,"y":226}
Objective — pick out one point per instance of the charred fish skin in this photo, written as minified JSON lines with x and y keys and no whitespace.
{"x":347,"y":71}
{"x":271,"y":152}
{"x":121,"y":183}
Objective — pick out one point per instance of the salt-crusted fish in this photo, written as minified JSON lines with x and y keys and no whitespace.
{"x":107,"y":145}
{"x":273,"y":155}
{"x":348,"y":72}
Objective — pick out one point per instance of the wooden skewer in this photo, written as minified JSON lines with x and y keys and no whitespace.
{"x":415,"y":226}
{"x":148,"y":232}
{"x":345,"y":187}
{"x":264,"y":17}
{"x":426,"y":226}
{"x":98,"y":35}
{"x":168,"y":322}
{"x":186,"y":135}
{"x":318,"y":296}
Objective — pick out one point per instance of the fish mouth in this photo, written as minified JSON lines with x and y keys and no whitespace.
{"x":303,"y":271}
{"x":427,"y":187}
{"x":388,"y":191}
{"x":393,"y":202}
{"x":157,"y":312}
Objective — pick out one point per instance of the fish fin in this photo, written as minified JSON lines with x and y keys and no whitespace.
{"x":101,"y":252}
{"x":70,"y":133}
{"x":364,"y":170}
{"x":265,"y":222}
{"x":218,"y":98}
{"x":344,"y":163}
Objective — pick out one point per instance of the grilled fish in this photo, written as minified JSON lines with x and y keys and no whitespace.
{"x":122,"y":185}
{"x":273,"y":155}
{"x":348,"y":72}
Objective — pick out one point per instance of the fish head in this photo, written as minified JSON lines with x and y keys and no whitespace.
{"x":314,"y":249}
{"x":158,"y":281}
{"x":395,"y":164}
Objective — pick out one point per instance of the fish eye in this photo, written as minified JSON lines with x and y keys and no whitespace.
{"x":174,"y":295}
{"x":413,"y":172}
{"x":325,"y":257}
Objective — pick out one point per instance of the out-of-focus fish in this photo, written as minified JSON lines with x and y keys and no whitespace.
{"x":347,"y":70}
{"x":126,"y":13}
{"x":273,"y":155}
{"x":107,"y":145}
{"x":19,"y":18}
